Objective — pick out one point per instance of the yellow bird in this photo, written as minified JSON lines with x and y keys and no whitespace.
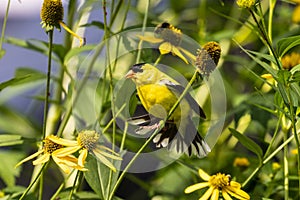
{"x":158,"y":93}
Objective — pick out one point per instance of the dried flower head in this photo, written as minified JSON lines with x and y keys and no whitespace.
{"x":208,"y":57}
{"x":52,"y":14}
{"x":169,"y":39}
{"x":168,"y":33}
{"x":245,"y":3}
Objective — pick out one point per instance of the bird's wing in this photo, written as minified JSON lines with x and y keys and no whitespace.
{"x":178,"y":89}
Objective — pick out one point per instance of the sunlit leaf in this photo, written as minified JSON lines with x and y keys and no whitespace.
{"x":9,"y":140}
{"x":7,"y":168}
{"x":285,"y":44}
{"x":248,"y":143}
{"x":13,"y":81}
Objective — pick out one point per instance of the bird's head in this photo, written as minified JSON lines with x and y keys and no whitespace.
{"x":143,"y":73}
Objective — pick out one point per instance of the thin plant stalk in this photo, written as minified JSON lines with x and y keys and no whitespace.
{"x":37,"y":177}
{"x":4,"y":27}
{"x":161,"y":124}
{"x":143,"y":31}
{"x":106,"y":39}
{"x":267,"y":159}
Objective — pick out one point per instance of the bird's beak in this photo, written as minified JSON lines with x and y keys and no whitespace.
{"x":130,"y":74}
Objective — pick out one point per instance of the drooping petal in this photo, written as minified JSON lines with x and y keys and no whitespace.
{"x":187,"y":53}
{"x":108,"y":154}
{"x":43,"y":159}
{"x":65,"y":168}
{"x":61,"y":141}
{"x":82,"y":156}
{"x":215,"y":195}
{"x":105,"y":161}
{"x":226,"y":195}
{"x":107,"y":149}
{"x":150,"y":39}
{"x":176,"y":52}
{"x":30,"y":157}
{"x":66,"y":151}
{"x":203,"y":175}
{"x":165,"y":48}
{"x":195,"y":187}
{"x":207,"y":194}
{"x":237,"y":193}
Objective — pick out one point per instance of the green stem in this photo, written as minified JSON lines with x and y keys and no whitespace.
{"x":285,"y":167}
{"x":293,"y":119}
{"x":54,"y":196}
{"x":161,"y":124}
{"x":79,"y":89}
{"x":267,"y":159}
{"x":111,"y":88}
{"x":4,"y":27}
{"x":274,"y":135}
{"x":143,"y":31}
{"x":74,"y":187}
{"x":33,"y":181}
{"x":47,"y":94}
{"x":266,"y":39}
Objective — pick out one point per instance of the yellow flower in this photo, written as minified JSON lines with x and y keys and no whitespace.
{"x":241,"y":162}
{"x":208,"y":57}
{"x":290,"y":61}
{"x":245,"y":3}
{"x":276,"y":166}
{"x":218,"y":183}
{"x":52,"y":14}
{"x":169,"y":39}
{"x":88,"y":141}
{"x":51,"y":148}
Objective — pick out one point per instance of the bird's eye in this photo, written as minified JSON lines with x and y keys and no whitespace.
{"x":137,"y":68}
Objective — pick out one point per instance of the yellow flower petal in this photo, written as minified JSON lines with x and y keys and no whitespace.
{"x":65,"y":168}
{"x":215,"y":195}
{"x":62,"y":141}
{"x":237,"y":193}
{"x":266,"y":76}
{"x":176,"y":52}
{"x":82,"y":156}
{"x":65,"y":151}
{"x":207,"y":194}
{"x":203,"y":175}
{"x":150,"y":39}
{"x":187,"y":53}
{"x":107,"y":149}
{"x":108,"y":154}
{"x":195,"y":187}
{"x":165,"y":48}
{"x":43,"y":159}
{"x":29,"y":157}
{"x":105,"y":161}
{"x":226,"y":195}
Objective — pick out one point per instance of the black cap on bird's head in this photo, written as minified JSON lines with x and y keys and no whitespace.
{"x":137,"y":68}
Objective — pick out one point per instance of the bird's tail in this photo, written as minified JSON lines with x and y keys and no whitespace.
{"x":187,"y":140}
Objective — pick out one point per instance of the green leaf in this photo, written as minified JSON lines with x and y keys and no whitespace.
{"x":12,"y":82}
{"x":2,"y":53}
{"x":9,"y":140}
{"x":256,"y":57}
{"x":285,"y":44}
{"x":248,"y":143}
{"x":97,"y":24}
{"x":76,"y":52}
{"x":7,"y":168}
{"x":39,"y":46}
{"x":98,"y":176}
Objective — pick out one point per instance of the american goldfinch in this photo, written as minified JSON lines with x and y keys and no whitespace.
{"x":158,"y":93}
